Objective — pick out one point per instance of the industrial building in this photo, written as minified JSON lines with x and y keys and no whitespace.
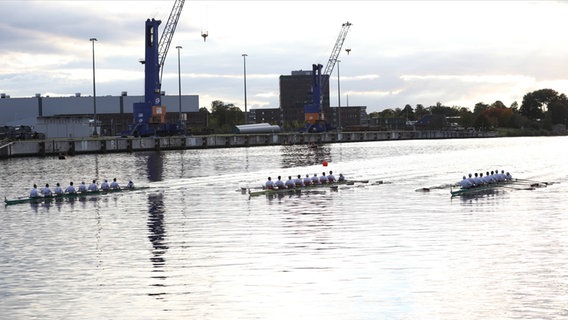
{"x":114,"y":113}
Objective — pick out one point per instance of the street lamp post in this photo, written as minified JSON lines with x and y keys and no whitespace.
{"x":179,"y":84}
{"x":338,"y":98}
{"x":245,"y":83}
{"x":94,"y":89}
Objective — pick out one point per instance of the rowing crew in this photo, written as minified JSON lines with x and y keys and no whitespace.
{"x":489,"y":178}
{"x":93,"y":187}
{"x":299,"y":182}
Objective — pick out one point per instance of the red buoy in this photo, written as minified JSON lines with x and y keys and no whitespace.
{"x":325,"y":163}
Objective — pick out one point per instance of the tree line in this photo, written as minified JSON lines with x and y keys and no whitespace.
{"x":540,"y":109}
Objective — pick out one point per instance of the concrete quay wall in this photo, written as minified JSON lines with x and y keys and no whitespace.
{"x":55,"y":147}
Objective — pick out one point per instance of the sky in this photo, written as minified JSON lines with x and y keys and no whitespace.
{"x":457,"y":53}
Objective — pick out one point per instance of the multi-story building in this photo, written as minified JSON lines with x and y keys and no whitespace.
{"x":295,"y":92}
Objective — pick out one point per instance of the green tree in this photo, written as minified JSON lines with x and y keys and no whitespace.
{"x":535,"y":103}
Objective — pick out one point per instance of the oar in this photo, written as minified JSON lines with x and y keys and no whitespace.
{"x":534,"y":182}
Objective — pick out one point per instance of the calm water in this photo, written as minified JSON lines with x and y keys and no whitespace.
{"x":194,"y":247}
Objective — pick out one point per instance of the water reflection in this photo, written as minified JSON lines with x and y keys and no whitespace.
{"x":154,"y":162}
{"x":304,"y":155}
{"x":157,"y":237}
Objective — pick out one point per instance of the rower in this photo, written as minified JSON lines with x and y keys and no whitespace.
{"x":290,"y":184}
{"x":315,"y":179}
{"x":307,"y":180}
{"x":269,"y":184}
{"x":130,"y":185}
{"x":34,"y":193}
{"x":71,"y":189}
{"x":114,"y":185}
{"x":82,"y":187}
{"x":323,"y":178}
{"x":279,"y":183}
{"x":46,"y":191}
{"x":105,"y":186}
{"x":330,"y":177}
{"x":93,"y":186}
{"x":477,"y":181}
{"x":341,"y":178}
{"x":299,"y":182}
{"x":58,"y":191}
{"x":471,"y":180}
{"x":465,"y":183}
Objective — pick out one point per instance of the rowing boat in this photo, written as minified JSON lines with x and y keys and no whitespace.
{"x":301,"y":189}
{"x":480,"y":189}
{"x":68,"y":196}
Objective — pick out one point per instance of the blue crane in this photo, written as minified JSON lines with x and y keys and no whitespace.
{"x":313,"y":112}
{"x":150,"y":115}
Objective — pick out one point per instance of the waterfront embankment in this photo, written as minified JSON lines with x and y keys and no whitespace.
{"x":57,"y":147}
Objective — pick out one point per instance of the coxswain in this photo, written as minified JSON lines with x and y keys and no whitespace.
{"x":34,"y":193}
{"x":465,"y":183}
{"x":290,"y":184}
{"x":82,"y":187}
{"x":130,"y":185}
{"x":105,"y":186}
{"x":58,"y":191}
{"x":330,"y":177}
{"x":299,"y":182}
{"x":307,"y":180}
{"x":323,"y":178}
{"x":46,"y":191}
{"x":315,"y":179}
{"x":279,"y":183}
{"x":509,"y":177}
{"x":93,"y":186}
{"x":269,"y":184}
{"x":341,"y":178}
{"x":114,"y":185}
{"x":71,"y":189}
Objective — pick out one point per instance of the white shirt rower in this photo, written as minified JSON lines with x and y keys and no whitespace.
{"x":323,"y":178}
{"x":46,"y":191}
{"x":58,"y":190}
{"x":82,"y":187}
{"x":465,"y":183}
{"x":307,"y":180}
{"x":330,"y":177}
{"x":299,"y":182}
{"x":290,"y":184}
{"x":34,"y":193}
{"x":315,"y":179}
{"x":93,"y":186}
{"x":269,"y":184}
{"x":70,"y":188}
{"x":279,"y":183}
{"x":114,"y":185}
{"x":105,"y":186}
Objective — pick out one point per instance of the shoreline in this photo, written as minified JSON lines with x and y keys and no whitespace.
{"x":100,"y":145}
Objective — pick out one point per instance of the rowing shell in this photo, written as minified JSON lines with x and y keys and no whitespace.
{"x":300,"y":189}
{"x":481,"y":189}
{"x":69,"y":196}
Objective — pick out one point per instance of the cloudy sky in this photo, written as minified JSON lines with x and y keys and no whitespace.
{"x":402,"y":52}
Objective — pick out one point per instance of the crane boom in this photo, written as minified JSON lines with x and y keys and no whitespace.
{"x":168,"y":34}
{"x":337,"y":48}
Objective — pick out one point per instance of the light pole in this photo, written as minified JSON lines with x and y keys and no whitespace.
{"x":94,"y":89}
{"x":245,"y":78}
{"x":338,"y":98}
{"x":179,"y":84}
